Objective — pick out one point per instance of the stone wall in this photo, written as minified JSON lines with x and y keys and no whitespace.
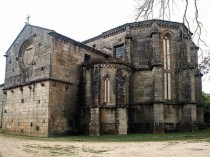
{"x":43,"y":98}
{"x":67,"y":59}
{"x":172,"y":116}
{"x":66,"y":93}
{"x":108,"y":70}
{"x":27,"y":110}
{"x":198,"y":88}
{"x":172,"y":113}
{"x":39,"y":67}
{"x":112,"y":114}
{"x":148,"y":104}
{"x":141,"y":49}
{"x":2,"y":98}
{"x":94,"y":77}
{"x":142,"y":83}
{"x":94,"y":125}
{"x":185,"y":86}
{"x":85,"y":121}
{"x":107,"y":42}
{"x":122,"y":121}
{"x":108,"y":121}
{"x":63,"y":108}
{"x":140,"y":118}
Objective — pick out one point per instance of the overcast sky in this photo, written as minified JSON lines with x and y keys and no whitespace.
{"x":77,"y":19}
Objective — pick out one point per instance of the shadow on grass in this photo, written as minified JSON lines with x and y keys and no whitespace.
{"x":203,"y":135}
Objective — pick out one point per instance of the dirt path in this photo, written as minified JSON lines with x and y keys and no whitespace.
{"x":16,"y":147}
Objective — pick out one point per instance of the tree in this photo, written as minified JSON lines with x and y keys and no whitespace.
{"x":165,"y":9}
{"x":206,"y":103}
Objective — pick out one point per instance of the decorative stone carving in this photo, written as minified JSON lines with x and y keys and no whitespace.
{"x":95,"y":84}
{"x":120,"y":87}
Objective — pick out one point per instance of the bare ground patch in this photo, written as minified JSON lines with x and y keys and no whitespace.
{"x":20,"y":147}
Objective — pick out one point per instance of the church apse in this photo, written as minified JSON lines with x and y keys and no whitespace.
{"x":135,"y":78}
{"x":111,"y":98}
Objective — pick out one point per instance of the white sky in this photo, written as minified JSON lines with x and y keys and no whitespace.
{"x":77,"y":19}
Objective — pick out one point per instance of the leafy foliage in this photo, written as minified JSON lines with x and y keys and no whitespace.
{"x":206,"y":103}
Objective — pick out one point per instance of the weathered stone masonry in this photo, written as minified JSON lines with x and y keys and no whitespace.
{"x":2,"y":99}
{"x":138,"y":77}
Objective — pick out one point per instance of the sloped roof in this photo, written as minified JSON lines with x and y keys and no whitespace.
{"x":61,"y":37}
{"x":147,"y":23}
{"x":67,"y":39}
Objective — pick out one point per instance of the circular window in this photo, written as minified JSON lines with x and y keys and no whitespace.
{"x":28,"y":55}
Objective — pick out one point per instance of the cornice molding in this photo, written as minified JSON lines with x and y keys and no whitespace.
{"x":140,"y":24}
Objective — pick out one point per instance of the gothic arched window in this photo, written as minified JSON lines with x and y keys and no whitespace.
{"x":107,"y":90}
{"x":167,"y":67}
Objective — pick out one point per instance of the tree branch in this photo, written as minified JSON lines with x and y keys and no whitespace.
{"x":163,"y":9}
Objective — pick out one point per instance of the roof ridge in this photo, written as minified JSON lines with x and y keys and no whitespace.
{"x":68,"y":39}
{"x":138,"y":23}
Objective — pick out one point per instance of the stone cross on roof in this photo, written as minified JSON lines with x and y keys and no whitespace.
{"x":28,"y":18}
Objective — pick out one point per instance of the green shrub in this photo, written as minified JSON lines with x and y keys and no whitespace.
{"x":206,"y":103}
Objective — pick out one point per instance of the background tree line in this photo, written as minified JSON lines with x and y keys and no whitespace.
{"x":206,"y":103}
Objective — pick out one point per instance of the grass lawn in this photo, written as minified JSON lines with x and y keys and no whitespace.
{"x":202,"y":135}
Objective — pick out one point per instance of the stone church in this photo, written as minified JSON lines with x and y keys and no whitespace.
{"x":140,"y":77}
